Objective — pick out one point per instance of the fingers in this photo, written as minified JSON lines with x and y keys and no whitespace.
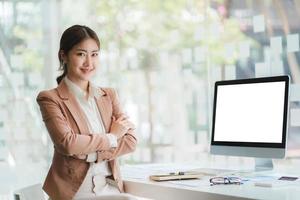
{"x":123,"y":122}
{"x":128,"y":124}
{"x":131,"y":125}
{"x":122,"y":118}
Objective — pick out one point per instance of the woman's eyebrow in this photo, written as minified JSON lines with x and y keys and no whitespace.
{"x":86,"y":50}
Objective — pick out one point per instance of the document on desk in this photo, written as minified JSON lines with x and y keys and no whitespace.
{"x":279,"y":182}
{"x":274,"y":180}
{"x":191,"y":183}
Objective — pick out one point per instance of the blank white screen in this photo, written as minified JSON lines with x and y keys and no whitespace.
{"x":250,"y":112}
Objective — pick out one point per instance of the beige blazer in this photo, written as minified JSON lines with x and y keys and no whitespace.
{"x":68,"y":129}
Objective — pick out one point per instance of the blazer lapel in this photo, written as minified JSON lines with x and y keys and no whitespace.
{"x":104,"y":106}
{"x":74,"y":108}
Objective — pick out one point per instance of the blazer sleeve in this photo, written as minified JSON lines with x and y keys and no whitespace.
{"x":127,"y":143}
{"x":65,"y":140}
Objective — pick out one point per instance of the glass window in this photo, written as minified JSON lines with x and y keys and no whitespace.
{"x":163,"y":58}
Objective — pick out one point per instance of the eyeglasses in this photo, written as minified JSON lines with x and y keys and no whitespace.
{"x":225,"y":180}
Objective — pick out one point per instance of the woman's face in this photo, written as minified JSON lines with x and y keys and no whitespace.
{"x":82,"y":61}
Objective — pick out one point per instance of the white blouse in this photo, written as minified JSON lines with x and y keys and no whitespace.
{"x":97,"y":171}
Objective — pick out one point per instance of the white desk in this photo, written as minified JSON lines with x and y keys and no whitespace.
{"x":137,"y":182}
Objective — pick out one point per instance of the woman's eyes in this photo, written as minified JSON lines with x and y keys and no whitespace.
{"x":81,"y":54}
{"x":84,"y":54}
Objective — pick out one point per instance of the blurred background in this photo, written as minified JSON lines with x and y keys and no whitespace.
{"x":163,"y":58}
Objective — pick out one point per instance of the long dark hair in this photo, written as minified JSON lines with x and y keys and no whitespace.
{"x":70,"y":37}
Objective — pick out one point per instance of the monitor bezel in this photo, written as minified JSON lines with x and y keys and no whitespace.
{"x":284,"y":78}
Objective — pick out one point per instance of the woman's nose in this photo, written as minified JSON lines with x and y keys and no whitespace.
{"x":88,"y":60}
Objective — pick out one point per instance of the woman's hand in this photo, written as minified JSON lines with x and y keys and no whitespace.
{"x":121,"y":126}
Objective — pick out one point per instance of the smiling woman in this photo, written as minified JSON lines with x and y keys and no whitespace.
{"x":82,"y":57}
{"x":82,"y":60}
{"x":86,"y":125}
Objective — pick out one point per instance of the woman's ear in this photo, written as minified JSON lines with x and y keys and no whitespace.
{"x":63,"y":56}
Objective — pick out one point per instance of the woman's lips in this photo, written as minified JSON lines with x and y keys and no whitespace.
{"x":86,"y":69}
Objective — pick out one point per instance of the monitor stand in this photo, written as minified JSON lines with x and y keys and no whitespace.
{"x":263,"y":164}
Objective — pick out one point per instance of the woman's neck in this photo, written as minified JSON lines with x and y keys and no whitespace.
{"x":80,"y":83}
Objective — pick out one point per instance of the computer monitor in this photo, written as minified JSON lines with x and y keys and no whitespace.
{"x":250,"y":119}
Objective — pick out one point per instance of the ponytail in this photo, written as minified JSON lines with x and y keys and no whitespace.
{"x":61,"y":77}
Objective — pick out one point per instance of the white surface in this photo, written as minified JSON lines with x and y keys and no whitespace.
{"x":276,"y":45}
{"x":31,"y":192}
{"x":200,"y":189}
{"x":216,"y":73}
{"x":295,"y":94}
{"x":258,"y":23}
{"x":277,"y":67}
{"x":230,"y":72}
{"x":250,"y":112}
{"x":199,"y":54}
{"x":229,"y":50}
{"x":292,"y":42}
{"x":18,"y":79}
{"x":187,"y":56}
{"x":262,"y":69}
{"x":295,"y":117}
{"x":244,"y":49}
